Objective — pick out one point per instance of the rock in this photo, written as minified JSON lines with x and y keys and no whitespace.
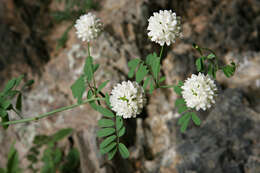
{"x":227,"y":141}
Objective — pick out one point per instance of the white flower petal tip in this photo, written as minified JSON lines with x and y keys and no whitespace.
{"x":127,"y":99}
{"x":199,"y":91}
{"x":164,"y":27}
{"x":88,"y":27}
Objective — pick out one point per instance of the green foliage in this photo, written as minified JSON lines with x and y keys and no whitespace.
{"x":72,"y":10}
{"x":102,"y":85}
{"x":177,"y":88}
{"x":182,"y":108}
{"x":105,"y":123}
{"x":229,"y":70}
{"x":209,"y":63}
{"x":12,"y":165}
{"x":123,"y":150}
{"x":147,"y":71}
{"x":133,"y":65}
{"x":7,"y":96}
{"x":85,"y":80}
{"x":78,"y":88}
{"x":53,"y":158}
{"x":88,"y":68}
{"x":111,"y":129}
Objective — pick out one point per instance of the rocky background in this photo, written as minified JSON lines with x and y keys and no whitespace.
{"x":228,"y":140}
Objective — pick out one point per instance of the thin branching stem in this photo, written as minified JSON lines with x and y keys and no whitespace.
{"x":44,"y":115}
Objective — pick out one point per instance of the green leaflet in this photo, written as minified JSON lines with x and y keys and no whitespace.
{"x":147,"y":80}
{"x":195,"y":118}
{"x":133,"y":65}
{"x":151,"y":87}
{"x":179,"y":102}
{"x":212,"y":70}
{"x":3,"y":112}
{"x":229,"y":70}
{"x":105,"y":132}
{"x":111,"y":154}
{"x":108,"y":148}
{"x":199,"y":64}
{"x":19,"y":102}
{"x":101,"y":86}
{"x":105,"y":123}
{"x":182,"y":108}
{"x":107,"y":100}
{"x":183,"y":118}
{"x":141,"y":73}
{"x":154,"y":62}
{"x":92,"y":103}
{"x":60,"y":135}
{"x":78,"y":88}
{"x":13,"y":161}
{"x":119,"y":123}
{"x":107,"y":141}
{"x":105,"y":112}
{"x":5,"y":104}
{"x":88,"y":68}
{"x":10,"y":84}
{"x":121,"y":132}
{"x":162,"y":79}
{"x":123,"y":150}
{"x":211,"y":56}
{"x":177,"y":88}
{"x":185,"y":123}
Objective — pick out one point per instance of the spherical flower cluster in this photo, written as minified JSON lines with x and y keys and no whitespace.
{"x":164,"y":27}
{"x":88,"y":27}
{"x":199,"y":91}
{"x":127,"y":99}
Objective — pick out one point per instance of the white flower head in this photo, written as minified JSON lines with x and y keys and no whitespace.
{"x":88,"y":27}
{"x":127,"y":99}
{"x":164,"y":27}
{"x":199,"y":91}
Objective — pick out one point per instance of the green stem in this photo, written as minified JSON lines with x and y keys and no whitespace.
{"x":161,"y":52}
{"x":88,"y":49}
{"x":44,"y":115}
{"x":17,"y":112}
{"x":167,"y":86}
{"x":94,"y":81}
